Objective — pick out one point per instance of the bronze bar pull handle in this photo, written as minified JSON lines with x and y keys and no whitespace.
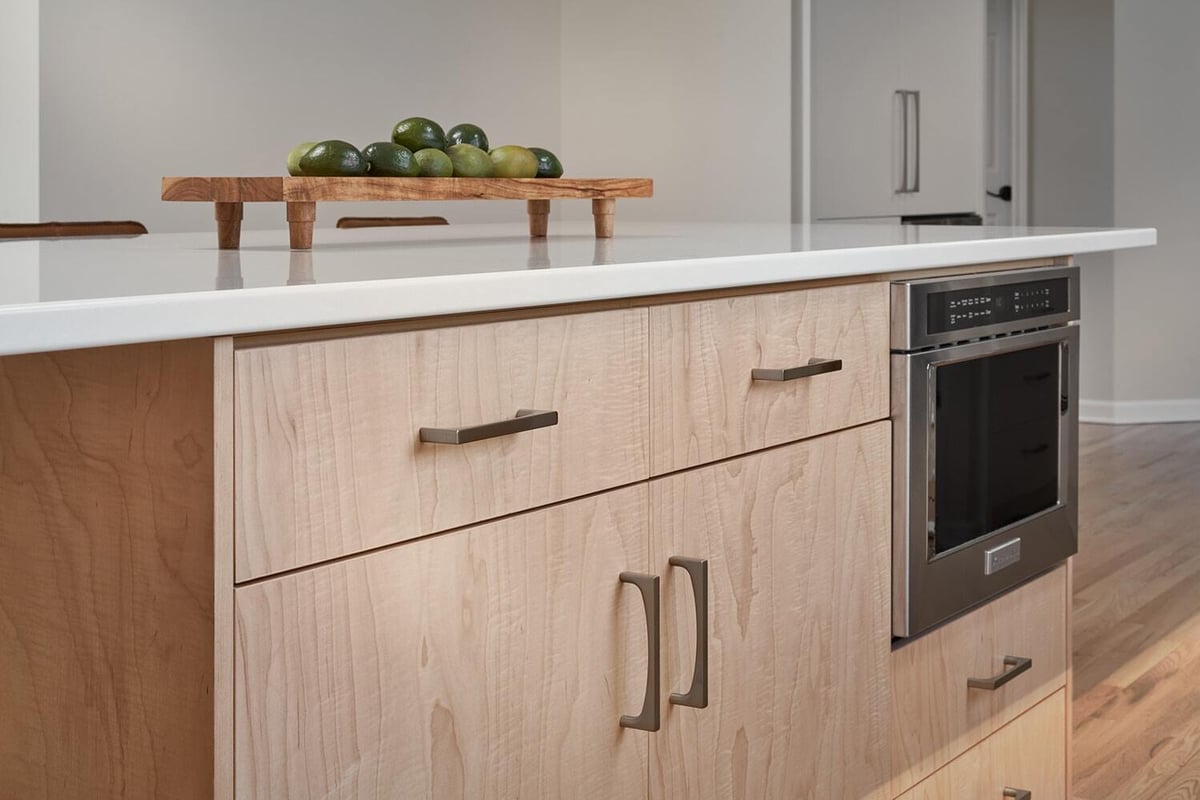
{"x":1018,"y":794}
{"x":525,"y":420}
{"x":697,"y":570}
{"x":815,"y":366}
{"x":993,"y":683}
{"x":650,"y":717}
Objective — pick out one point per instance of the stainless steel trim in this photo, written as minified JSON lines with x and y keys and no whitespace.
{"x":1017,"y":664}
{"x":926,"y":591}
{"x":1001,"y":556}
{"x":525,"y":420}
{"x":910,"y":309}
{"x":815,"y":366}
{"x":650,"y":717}
{"x":697,"y":694}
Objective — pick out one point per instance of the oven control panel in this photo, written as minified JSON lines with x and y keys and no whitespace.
{"x":959,"y":309}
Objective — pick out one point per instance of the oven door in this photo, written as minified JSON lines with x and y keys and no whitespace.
{"x":986,"y":456}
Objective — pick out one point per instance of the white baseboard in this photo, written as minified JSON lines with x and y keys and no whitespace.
{"x":1132,"y":412}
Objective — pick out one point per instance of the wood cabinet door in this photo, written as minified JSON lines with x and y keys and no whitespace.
{"x":492,"y":662}
{"x":797,"y":544}
{"x":1027,"y":755}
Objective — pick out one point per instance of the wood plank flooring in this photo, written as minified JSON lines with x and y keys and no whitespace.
{"x":1137,"y":614}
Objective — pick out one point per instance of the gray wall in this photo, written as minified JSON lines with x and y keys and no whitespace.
{"x":1071,"y":155}
{"x":693,"y":93}
{"x":19,"y":119}
{"x":1158,"y":183}
{"x":133,"y":90}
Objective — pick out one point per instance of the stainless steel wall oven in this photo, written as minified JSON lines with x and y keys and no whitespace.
{"x":985,"y":420}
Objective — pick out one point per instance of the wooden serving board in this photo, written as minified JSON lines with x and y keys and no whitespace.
{"x":301,"y":194}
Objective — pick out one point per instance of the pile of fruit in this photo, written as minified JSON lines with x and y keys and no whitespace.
{"x":420,"y":148}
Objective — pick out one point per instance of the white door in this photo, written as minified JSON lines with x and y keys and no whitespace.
{"x":997,"y":171}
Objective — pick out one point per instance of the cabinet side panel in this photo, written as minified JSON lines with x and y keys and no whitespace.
{"x":106,"y":585}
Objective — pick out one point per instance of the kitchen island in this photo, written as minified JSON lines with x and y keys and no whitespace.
{"x":449,"y":512}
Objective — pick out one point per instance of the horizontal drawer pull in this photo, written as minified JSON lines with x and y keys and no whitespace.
{"x":525,"y":420}
{"x":815,"y":366}
{"x":1018,"y":794}
{"x":1017,"y":664}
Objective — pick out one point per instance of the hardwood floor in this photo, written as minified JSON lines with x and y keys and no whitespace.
{"x":1137,"y":614}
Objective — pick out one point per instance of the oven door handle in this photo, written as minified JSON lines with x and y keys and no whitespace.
{"x":993,"y":683}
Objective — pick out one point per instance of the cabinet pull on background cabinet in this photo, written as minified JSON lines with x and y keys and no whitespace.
{"x":697,"y":695}
{"x":815,"y":366}
{"x":1018,"y":794}
{"x":993,"y":683}
{"x":900,"y":139}
{"x":912,"y":146}
{"x":650,"y":717}
{"x":525,"y":420}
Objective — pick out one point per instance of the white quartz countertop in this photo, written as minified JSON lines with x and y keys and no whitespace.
{"x":68,"y":293}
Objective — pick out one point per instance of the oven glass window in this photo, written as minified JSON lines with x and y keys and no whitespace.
{"x":996,"y":450}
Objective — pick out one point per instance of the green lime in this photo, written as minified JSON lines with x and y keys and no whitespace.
{"x":333,"y":158}
{"x":390,"y":160}
{"x":469,"y":161}
{"x":548,"y":164}
{"x":467,"y":133}
{"x":419,"y":133}
{"x":298,"y":152}
{"x":514,"y":161}
{"x":434,"y":163}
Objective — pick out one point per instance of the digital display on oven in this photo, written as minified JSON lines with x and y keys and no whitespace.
{"x":987,"y":305}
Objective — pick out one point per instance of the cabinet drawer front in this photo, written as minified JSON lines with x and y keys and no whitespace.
{"x":936,"y":715}
{"x":1030,"y":754}
{"x":707,"y":405}
{"x":328,"y":450}
{"x":492,"y":662}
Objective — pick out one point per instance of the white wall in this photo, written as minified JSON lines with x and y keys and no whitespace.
{"x":1071,"y":158}
{"x":133,"y":90}
{"x":19,"y":115}
{"x":693,"y":93}
{"x":1157,"y":291}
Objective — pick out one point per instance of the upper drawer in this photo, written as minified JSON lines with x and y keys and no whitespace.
{"x":329,"y":457}
{"x":937,"y":714}
{"x":707,"y":404}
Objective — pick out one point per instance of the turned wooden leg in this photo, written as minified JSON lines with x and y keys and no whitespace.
{"x":300,"y":217}
{"x":602,"y":213}
{"x":539,"y":217}
{"x":229,"y":225}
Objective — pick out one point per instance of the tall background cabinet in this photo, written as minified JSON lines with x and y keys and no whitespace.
{"x":897,"y":121}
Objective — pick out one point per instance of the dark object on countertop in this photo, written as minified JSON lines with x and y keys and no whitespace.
{"x":54,"y":230}
{"x":966,"y":218}
{"x":388,"y":222}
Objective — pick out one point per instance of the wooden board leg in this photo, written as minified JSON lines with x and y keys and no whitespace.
{"x":300,"y":217}
{"x":539,"y":217}
{"x":229,"y":225}
{"x":603,"y":210}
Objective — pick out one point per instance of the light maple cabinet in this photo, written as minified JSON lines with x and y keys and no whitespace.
{"x":1028,"y":755}
{"x":492,"y":662}
{"x":796,"y":545}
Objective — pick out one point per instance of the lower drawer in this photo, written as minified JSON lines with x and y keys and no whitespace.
{"x":939,"y":706}
{"x":1027,"y":755}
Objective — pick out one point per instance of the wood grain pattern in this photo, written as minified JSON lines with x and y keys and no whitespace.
{"x":305,"y":189}
{"x":492,"y":662}
{"x":52,"y":230}
{"x":1137,"y":614}
{"x":1026,"y":754}
{"x":329,"y":461}
{"x":106,"y":573}
{"x":797,"y":544}
{"x":706,"y":407}
{"x":935,"y":716}
{"x":223,"y":578}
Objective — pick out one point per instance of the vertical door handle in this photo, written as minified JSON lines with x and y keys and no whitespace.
{"x":900,"y":109}
{"x":1064,"y":379}
{"x":1018,"y":794}
{"x":650,"y":717}
{"x":697,"y":570}
{"x":914,"y":146}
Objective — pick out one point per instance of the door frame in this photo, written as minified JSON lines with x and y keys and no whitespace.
{"x":1020,"y":115}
